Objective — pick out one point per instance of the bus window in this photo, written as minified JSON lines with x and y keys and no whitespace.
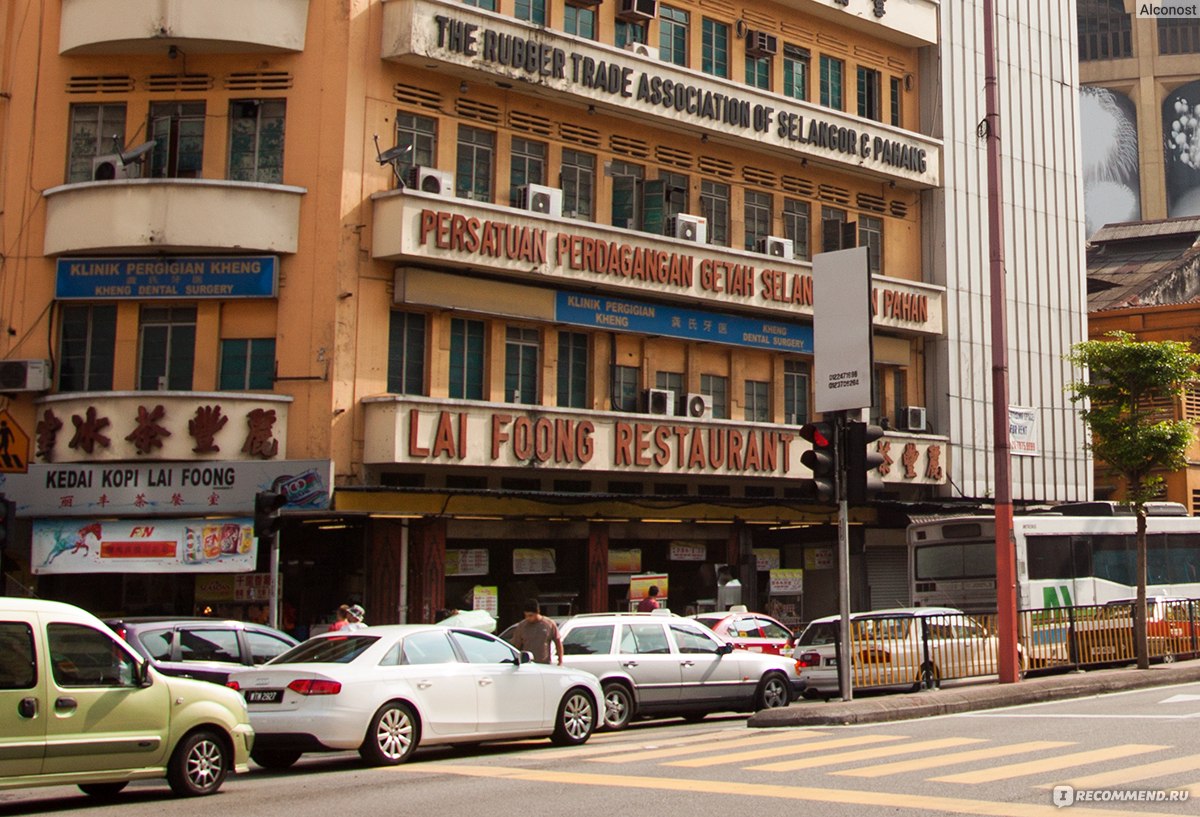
{"x":1049,"y":557}
{"x":1183,"y":554}
{"x":966,"y":561}
{"x":1114,"y":558}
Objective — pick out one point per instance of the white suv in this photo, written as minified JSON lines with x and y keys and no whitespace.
{"x":661,"y":664}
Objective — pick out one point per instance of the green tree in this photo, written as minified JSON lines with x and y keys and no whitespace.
{"x":1128,"y":380}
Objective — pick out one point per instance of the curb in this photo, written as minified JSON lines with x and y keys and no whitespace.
{"x":885,"y":708}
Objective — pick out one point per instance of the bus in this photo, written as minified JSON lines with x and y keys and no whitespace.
{"x":1078,"y":554}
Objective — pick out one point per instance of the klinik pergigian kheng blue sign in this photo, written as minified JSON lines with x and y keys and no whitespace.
{"x":842,"y":355}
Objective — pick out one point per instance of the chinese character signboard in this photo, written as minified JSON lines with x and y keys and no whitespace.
{"x":127,"y":546}
{"x":533,"y":561}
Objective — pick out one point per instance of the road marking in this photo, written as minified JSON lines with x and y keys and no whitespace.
{"x":958,"y":757}
{"x":1049,"y":764}
{"x":628,"y":743}
{"x":878,"y":802}
{"x":1107,"y":780}
{"x":1179,"y":699}
{"x":865,"y":754}
{"x":779,"y":751}
{"x":659,"y":754}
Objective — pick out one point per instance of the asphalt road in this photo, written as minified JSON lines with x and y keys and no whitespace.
{"x":998,"y":762}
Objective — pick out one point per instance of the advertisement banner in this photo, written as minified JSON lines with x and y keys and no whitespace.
{"x":1023,"y":431}
{"x":158,"y":546}
{"x":818,"y":558}
{"x":787,"y":581}
{"x":842,"y":365}
{"x":624,"y":561}
{"x":687,"y":552}
{"x":471,"y":562}
{"x":533,"y":561}
{"x":766,"y":558}
{"x":238,"y":276}
{"x":639,"y":587}
{"x":486,"y":598}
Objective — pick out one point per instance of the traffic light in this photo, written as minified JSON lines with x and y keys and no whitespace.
{"x":862,"y":461}
{"x":822,"y":458}
{"x":266,"y":513}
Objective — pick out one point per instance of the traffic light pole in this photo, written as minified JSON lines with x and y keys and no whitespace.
{"x":843,"y":560}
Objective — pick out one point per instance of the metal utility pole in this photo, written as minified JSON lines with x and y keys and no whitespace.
{"x":1006,"y":569}
{"x":845,"y":664}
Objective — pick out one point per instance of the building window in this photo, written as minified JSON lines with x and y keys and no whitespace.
{"x":758,"y":404}
{"x":418,"y":136}
{"x":717,"y":388}
{"x":672,"y":381}
{"x":899,"y":394}
{"x":795,"y":72}
{"x":489,"y":5}
{"x":177,"y":129}
{"x":627,"y":189}
{"x":675,"y":193}
{"x":1178,"y":35}
{"x":96,"y":130}
{"x":897,"y":86}
{"x":532,"y":10}
{"x":714,"y":45}
{"x":626,"y":33}
{"x":673,"y":35}
{"x":521,"y":348}
{"x":1105,"y":30}
{"x":247,"y":363}
{"x":256,"y":140}
{"x":714,"y":206}
{"x":869,"y":91}
{"x":167,"y":348}
{"x":832,"y":219}
{"x":473,"y":170}
{"x":758,"y":72}
{"x":579,"y":21}
{"x":528,"y":167}
{"x":831,"y":82}
{"x":795,"y":392}
{"x":406,"y":353}
{"x":757,"y":211}
{"x":466,"y":359}
{"x":578,"y":184}
{"x":572,"y":369}
{"x":796,"y":216}
{"x":86,"y":348}
{"x":870,"y":235}
{"x":624,"y":395}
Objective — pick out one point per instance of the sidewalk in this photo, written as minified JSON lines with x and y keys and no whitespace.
{"x":879,"y":708}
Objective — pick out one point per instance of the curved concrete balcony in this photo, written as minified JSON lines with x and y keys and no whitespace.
{"x":172,"y":215}
{"x":209,"y":27}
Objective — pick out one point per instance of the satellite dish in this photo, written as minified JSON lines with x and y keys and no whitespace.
{"x":391,"y":156}
{"x":135,"y":153}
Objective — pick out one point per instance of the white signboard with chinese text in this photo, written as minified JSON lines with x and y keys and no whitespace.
{"x":532,"y":561}
{"x":467,"y":562}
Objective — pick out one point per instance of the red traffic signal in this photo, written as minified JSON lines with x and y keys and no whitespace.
{"x":822,"y":458}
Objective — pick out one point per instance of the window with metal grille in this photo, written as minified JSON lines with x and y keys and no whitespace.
{"x":522,"y":347}
{"x":717,"y":388}
{"x":828,"y":214}
{"x":579,"y":21}
{"x":1105,"y":30}
{"x":256,"y":129}
{"x":795,"y":71}
{"x":757,"y":408}
{"x":796,"y":224}
{"x":870,"y":235}
{"x":578,"y":184}
{"x":672,"y":35}
{"x":669,"y":380}
{"x":832,"y":70}
{"x":177,"y":129}
{"x":626,"y":32}
{"x":417,"y":135}
{"x":870,"y":103}
{"x":532,"y":10}
{"x":758,"y":72}
{"x":527,"y":166}
{"x":1178,"y":35}
{"x":757,"y":213}
{"x":795,"y":392}
{"x":96,"y":130}
{"x":897,"y":85}
{"x":714,"y":206}
{"x":572,"y":369}
{"x":167,"y":348}
{"x":406,"y":353}
{"x":624,"y":391}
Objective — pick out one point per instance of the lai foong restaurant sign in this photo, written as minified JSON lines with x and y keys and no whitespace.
{"x":156,"y":546}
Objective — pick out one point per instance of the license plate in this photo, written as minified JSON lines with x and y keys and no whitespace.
{"x":264,"y":696}
{"x":831,"y":662}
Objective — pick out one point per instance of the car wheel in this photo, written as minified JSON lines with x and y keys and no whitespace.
{"x":199,"y":764}
{"x":930,"y":676}
{"x":275,"y":760}
{"x":103,"y":790}
{"x":392,"y":737}
{"x":576,"y":719}
{"x":773,"y":692}
{"x":618,"y":707}
{"x":810,"y":694}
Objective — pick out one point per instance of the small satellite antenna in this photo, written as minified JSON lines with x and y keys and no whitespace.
{"x":134,"y":153}
{"x":392,"y":156}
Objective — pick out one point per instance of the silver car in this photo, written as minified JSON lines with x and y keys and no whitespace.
{"x":660,"y":664}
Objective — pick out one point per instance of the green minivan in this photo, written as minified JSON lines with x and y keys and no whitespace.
{"x":79,"y":707}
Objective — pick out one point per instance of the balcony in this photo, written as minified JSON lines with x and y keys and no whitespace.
{"x":208,"y":27}
{"x":161,"y":425}
{"x":172,"y":215}
{"x":911,"y":23}
{"x":427,"y":229}
{"x":481,"y":46}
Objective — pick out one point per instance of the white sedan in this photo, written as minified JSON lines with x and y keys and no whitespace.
{"x":386,"y":690}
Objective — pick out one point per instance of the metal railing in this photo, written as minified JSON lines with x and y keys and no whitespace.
{"x":1089,"y":635}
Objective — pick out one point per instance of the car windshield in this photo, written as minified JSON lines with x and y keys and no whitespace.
{"x":819,"y":634}
{"x":332,"y":650}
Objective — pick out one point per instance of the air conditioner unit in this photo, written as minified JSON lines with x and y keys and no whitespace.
{"x":913,"y":418}
{"x":689,"y":228}
{"x":431,"y":180}
{"x":660,"y":401}
{"x":777,"y":247}
{"x":642,"y":50}
{"x":761,"y":44}
{"x":637,"y":11}
{"x":109,"y":166}
{"x":538,"y":198}
{"x":698,"y":406}
{"x":24,"y":375}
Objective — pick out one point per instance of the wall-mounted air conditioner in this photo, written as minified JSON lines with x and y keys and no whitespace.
{"x":109,"y":166}
{"x":697,"y":406}
{"x":538,"y":198}
{"x":24,"y":375}
{"x":913,"y":418}
{"x":689,"y":228}
{"x":660,"y":401}
{"x":637,"y":11}
{"x":642,"y":50}
{"x":761,"y":44}
{"x":777,"y":247}
{"x":431,"y":180}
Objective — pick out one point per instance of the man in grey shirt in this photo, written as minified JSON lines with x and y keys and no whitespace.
{"x":536,"y":633}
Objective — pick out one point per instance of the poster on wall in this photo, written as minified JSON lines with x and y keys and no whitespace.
{"x":486,"y":598}
{"x":1023,"y":431}
{"x":1181,"y":136}
{"x":467,"y":562}
{"x":628,"y":560}
{"x":639,"y":587}
{"x":533,"y":561}
{"x":786,"y":581}
{"x":687,"y":552}
{"x":766,"y":558}
{"x":149,"y":546}
{"x":818,"y":558}
{"x":1111,"y":180}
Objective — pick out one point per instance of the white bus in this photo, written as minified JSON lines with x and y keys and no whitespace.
{"x":1073,"y":555}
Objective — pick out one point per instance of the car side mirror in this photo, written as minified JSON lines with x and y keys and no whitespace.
{"x":724,"y":649}
{"x":144,"y":678}
{"x":526,"y":657}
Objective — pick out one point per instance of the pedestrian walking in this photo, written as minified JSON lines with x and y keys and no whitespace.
{"x":536,"y":633}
